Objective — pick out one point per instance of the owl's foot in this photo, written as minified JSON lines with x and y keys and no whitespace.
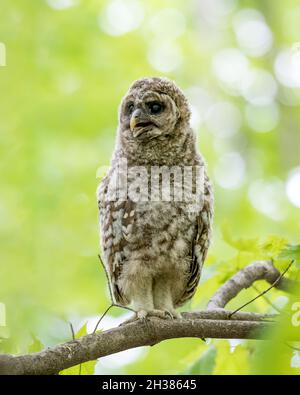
{"x":164,"y":314}
{"x":158,"y":313}
{"x":173,"y":314}
{"x":138,"y":315}
{"x":144,"y":314}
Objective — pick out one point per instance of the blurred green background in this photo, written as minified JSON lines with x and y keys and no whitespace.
{"x":68,"y":64}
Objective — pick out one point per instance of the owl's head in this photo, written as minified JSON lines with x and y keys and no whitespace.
{"x":153,"y":108}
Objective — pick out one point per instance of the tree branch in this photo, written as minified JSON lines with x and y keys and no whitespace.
{"x":215,"y":322}
{"x":136,"y":334}
{"x":259,"y":270}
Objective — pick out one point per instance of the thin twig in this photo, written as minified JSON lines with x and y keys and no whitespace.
{"x":244,"y":278}
{"x":113,"y":304}
{"x":292,"y":347}
{"x":107,"y":279}
{"x":100,"y":319}
{"x":72,"y":330}
{"x":264,"y":292}
{"x":73,"y":337}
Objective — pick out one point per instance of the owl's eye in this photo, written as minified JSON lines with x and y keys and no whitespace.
{"x":130,"y":108}
{"x":155,"y":107}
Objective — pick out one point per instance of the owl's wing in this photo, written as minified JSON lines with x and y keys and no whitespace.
{"x":116,"y":222}
{"x":200,"y":243}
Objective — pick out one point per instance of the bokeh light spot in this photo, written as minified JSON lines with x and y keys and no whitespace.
{"x":231,"y":67}
{"x":168,"y":23}
{"x":293,"y":187}
{"x":230,"y":170}
{"x":165,"y":56}
{"x":121,"y":17}
{"x":252,"y":33}
{"x":267,"y":197}
{"x":223,"y":119}
{"x":62,"y":4}
{"x":287,"y":67}
{"x":259,"y":88}
{"x":262,"y":119}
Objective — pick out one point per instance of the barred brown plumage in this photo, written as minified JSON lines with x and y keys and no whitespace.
{"x":154,"y":247}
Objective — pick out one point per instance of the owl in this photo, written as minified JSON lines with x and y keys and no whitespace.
{"x":155,"y":203}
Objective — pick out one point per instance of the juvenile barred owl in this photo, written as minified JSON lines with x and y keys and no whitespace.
{"x":155,"y":236}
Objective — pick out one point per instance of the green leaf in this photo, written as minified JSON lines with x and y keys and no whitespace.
{"x":88,"y":368}
{"x":269,"y":248}
{"x":205,"y":364}
{"x":72,"y":371}
{"x":81,"y":332}
{"x":36,"y":345}
{"x":250,"y":245}
{"x":291,"y":252}
{"x":273,"y":245}
{"x":85,"y":369}
{"x":231,"y":362}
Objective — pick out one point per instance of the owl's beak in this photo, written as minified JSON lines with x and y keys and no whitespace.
{"x":133,"y":123}
{"x":139,"y":120}
{"x":135,"y":119}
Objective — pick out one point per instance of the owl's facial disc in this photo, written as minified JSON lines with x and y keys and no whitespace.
{"x":149,"y":115}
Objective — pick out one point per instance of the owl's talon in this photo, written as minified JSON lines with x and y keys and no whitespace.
{"x":138,"y":315}
{"x":174,"y":314}
{"x":142,"y":315}
{"x":164,"y":314}
{"x":130,"y":320}
{"x":168,"y":313}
